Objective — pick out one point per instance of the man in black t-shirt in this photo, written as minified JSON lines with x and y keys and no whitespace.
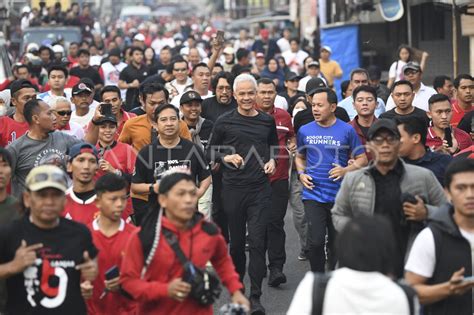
{"x":243,"y":141}
{"x":200,"y":129}
{"x":84,"y":69}
{"x":403,"y":96}
{"x":222,"y":102}
{"x":131,"y":77}
{"x":45,"y":257}
{"x":168,"y":152}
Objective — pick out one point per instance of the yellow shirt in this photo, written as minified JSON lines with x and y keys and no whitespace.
{"x":331,"y":70}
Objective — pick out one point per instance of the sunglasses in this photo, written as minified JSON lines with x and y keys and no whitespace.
{"x":64,"y":112}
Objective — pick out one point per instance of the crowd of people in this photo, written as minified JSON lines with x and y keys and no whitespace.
{"x":138,"y":169}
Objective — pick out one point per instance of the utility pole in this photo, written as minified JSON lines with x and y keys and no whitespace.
{"x":455,"y":39}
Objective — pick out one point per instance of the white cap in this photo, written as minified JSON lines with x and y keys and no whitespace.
{"x":228,"y":50}
{"x":26,"y":9}
{"x":32,"y":47}
{"x":327,"y":48}
{"x":58,"y":49}
{"x":140,"y":37}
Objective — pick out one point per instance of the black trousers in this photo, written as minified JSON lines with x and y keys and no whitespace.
{"x":275,"y":240}
{"x":218,"y":214}
{"x":140,"y":209}
{"x":247,"y":209}
{"x":318,"y":216}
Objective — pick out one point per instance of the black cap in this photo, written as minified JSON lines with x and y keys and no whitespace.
{"x":383,"y":124}
{"x":90,"y":84}
{"x":80,"y":88}
{"x":17,"y":85}
{"x":190,"y":96}
{"x":109,"y":118}
{"x":314,"y":84}
{"x":115,"y":52}
{"x":412,"y":65}
{"x":374,"y":72}
{"x":291,"y":76}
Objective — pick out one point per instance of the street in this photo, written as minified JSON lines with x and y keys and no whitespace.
{"x":277,"y":300}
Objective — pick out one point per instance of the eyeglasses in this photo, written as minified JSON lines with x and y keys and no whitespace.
{"x":222,"y":88}
{"x":64,"y":112}
{"x":180,"y":70}
{"x":390,"y":140}
{"x":412,"y":72}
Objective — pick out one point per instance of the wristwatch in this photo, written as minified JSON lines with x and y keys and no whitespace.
{"x":151,"y":189}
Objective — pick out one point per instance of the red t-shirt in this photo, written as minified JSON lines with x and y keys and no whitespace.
{"x":86,"y":211}
{"x":458,"y":113}
{"x":464,"y":140}
{"x":285,"y":131}
{"x":10,"y":130}
{"x":111,"y":250}
{"x":121,"y":156}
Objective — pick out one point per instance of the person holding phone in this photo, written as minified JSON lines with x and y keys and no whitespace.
{"x":439,"y":266}
{"x":110,"y":234}
{"x":441,"y":136}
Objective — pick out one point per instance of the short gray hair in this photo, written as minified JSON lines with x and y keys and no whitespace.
{"x":245,"y":77}
{"x":53,"y":102}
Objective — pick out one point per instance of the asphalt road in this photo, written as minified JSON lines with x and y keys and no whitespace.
{"x":277,"y":300}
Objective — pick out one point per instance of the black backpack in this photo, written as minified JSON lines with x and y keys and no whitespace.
{"x":319,"y":290}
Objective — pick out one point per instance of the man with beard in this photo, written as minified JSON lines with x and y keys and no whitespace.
{"x":223,"y":101}
{"x":41,"y":141}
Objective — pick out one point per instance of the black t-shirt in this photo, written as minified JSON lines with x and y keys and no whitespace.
{"x":88,"y":72}
{"x":212,"y":109}
{"x":419,"y":113}
{"x":128,"y":75}
{"x":52,"y":284}
{"x":205,"y":133}
{"x":306,"y":116}
{"x":255,"y":139}
{"x":155,"y":159}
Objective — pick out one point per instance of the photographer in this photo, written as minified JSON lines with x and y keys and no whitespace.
{"x":152,"y":271}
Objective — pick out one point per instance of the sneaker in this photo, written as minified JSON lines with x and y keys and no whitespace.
{"x":276,"y":278}
{"x":256,"y":308}
{"x":302,"y":256}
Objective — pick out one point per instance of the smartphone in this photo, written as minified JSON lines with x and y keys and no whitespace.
{"x":472,"y":124}
{"x":106,"y":109}
{"x":407,"y":197}
{"x":448,"y":136}
{"x":220,"y":36}
{"x":468,"y":279}
{"x":112,"y":273}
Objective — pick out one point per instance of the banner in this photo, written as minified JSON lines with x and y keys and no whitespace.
{"x":344,"y":43}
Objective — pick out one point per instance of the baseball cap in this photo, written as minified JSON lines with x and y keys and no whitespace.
{"x":313,"y":64}
{"x":383,"y":124}
{"x":228,"y":50}
{"x":17,"y":85}
{"x":80,"y":148}
{"x":412,"y":65}
{"x":115,"y":52}
{"x":108,"y":117}
{"x":140,"y":37}
{"x":80,"y":88}
{"x":259,"y":55}
{"x":46,"y":176}
{"x":190,"y":96}
{"x":58,"y":49}
{"x":291,"y":76}
{"x":32,"y":47}
{"x":327,"y":48}
{"x":314,"y":84}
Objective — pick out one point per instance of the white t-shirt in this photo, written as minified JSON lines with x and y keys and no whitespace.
{"x":422,"y":258}
{"x":353,"y":292}
{"x":295,"y":60}
{"x":83,"y":121}
{"x":75,"y":130}
{"x":283,"y":44}
{"x":396,"y":70}
{"x":281,"y":102}
{"x":420,"y":100}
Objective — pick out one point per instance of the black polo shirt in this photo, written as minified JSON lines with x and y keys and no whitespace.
{"x":212,"y":109}
{"x":88,"y":72}
{"x":129,"y":74}
{"x":419,"y":113}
